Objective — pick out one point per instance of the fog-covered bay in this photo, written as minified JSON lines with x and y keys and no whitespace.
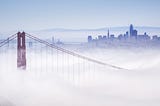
{"x":42,"y":83}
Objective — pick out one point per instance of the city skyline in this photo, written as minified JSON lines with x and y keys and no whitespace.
{"x":129,"y":39}
{"x":74,"y":14}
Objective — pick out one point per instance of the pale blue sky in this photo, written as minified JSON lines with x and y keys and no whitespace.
{"x":77,"y":14}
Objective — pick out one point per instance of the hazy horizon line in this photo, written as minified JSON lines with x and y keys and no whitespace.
{"x":81,"y":29}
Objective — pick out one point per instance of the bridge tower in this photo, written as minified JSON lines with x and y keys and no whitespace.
{"x":21,"y":50}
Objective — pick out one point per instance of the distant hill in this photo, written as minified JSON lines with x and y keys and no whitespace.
{"x":80,"y":35}
{"x":125,"y":28}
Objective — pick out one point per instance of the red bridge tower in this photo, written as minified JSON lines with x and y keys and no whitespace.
{"x":21,"y":50}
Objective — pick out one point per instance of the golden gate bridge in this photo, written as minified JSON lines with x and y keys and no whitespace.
{"x":48,"y":56}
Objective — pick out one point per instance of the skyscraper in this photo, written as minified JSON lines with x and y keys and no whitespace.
{"x":131,"y":30}
{"x":133,"y":33}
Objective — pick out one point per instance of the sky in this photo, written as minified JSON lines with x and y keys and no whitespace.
{"x":77,"y":14}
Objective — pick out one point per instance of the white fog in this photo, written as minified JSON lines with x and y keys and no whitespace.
{"x":76,"y":82}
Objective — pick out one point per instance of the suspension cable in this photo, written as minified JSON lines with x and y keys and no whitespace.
{"x":4,"y":42}
{"x":72,"y":53}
